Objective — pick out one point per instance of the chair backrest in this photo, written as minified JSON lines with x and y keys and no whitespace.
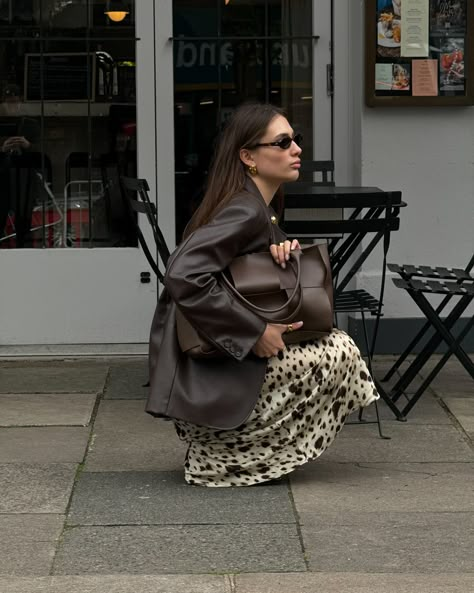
{"x":374,"y":217}
{"x":80,"y":160}
{"x":325,"y":170}
{"x":136,"y":194}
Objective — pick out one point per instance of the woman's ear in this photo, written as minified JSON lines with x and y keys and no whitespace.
{"x":246,"y":157}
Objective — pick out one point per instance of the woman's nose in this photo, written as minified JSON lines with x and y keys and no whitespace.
{"x":295,"y":148}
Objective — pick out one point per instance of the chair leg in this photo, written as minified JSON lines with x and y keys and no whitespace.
{"x":379,"y":423}
{"x":369,"y":357}
{"x":419,"y":392}
{"x":408,"y":350}
{"x":381,"y":392}
{"x":369,"y":364}
{"x":423,"y":356}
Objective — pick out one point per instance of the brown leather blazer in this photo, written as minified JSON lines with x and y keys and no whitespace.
{"x":219,"y":393}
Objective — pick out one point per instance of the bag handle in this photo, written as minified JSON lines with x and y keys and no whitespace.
{"x":295,"y":254}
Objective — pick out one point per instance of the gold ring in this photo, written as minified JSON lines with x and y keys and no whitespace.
{"x":289,"y":328}
{"x":282,"y":245}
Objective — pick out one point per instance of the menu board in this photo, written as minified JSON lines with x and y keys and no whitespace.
{"x":419,"y":52}
{"x":59,"y":77}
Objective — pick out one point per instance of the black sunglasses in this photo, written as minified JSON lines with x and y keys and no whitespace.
{"x":284,"y":143}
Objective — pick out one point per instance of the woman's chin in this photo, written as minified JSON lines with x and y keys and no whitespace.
{"x":294,"y":175}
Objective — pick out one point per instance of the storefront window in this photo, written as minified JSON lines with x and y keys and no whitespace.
{"x":67,"y":124}
{"x":226,"y":53}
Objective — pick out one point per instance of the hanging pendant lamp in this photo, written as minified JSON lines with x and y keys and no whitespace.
{"x":116,"y":10}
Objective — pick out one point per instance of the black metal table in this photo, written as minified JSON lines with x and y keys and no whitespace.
{"x":374,"y":213}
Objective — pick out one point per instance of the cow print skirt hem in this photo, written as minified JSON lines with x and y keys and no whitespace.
{"x":308,"y":392}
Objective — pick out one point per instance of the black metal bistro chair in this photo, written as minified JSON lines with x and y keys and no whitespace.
{"x":136,"y":194}
{"x":420,"y":282}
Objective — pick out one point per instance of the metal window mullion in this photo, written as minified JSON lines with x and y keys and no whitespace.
{"x":218,"y":61}
{"x":42,"y":134}
{"x":247,"y":38}
{"x":267,"y":70}
{"x":41,"y":38}
{"x":333,"y":89}
{"x":89,"y":126}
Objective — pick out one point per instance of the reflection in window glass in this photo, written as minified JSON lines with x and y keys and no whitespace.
{"x":217,"y":72}
{"x":67,"y":124}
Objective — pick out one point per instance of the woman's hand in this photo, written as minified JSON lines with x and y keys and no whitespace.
{"x":271,"y":342}
{"x":281,"y":252}
{"x":15,"y":143}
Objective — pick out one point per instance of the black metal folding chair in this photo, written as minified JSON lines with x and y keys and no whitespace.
{"x":138,"y":188}
{"x":420,"y":281}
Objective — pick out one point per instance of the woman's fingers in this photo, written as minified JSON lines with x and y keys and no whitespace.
{"x":274,"y":252}
{"x":295,"y":244}
{"x":271,"y":342}
{"x":281,"y":252}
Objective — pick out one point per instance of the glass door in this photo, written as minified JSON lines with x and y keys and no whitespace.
{"x":69,"y":98}
{"x":230,"y":51}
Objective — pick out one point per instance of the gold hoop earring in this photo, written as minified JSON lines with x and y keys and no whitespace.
{"x":253,"y":170}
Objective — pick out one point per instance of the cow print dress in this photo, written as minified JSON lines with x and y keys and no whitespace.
{"x":308,"y":392}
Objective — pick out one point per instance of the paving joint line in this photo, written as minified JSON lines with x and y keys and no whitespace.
{"x":297,"y":524}
{"x":79,"y":471}
{"x":455,"y":422}
{"x":239,"y":524}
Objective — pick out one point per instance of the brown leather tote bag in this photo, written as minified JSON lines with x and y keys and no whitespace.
{"x":302,"y":291}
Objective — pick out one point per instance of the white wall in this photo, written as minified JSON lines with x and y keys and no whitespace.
{"x":428,"y":154}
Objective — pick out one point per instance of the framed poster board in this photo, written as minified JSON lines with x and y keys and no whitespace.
{"x":63,"y":76}
{"x":419,"y":52}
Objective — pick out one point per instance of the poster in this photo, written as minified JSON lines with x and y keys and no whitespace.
{"x":392,"y":77}
{"x":415,"y":23}
{"x":389,"y":28}
{"x":383,"y":77}
{"x":451,"y":66}
{"x":425,"y":78}
{"x":448,"y":17}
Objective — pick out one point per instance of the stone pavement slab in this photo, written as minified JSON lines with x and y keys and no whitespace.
{"x":405,"y":487}
{"x":46,"y":409}
{"x":389,"y":542}
{"x":127,"y":379}
{"x":26,"y":558}
{"x":180,"y":549}
{"x":29,"y":527}
{"x":452,"y":381}
{"x":35,"y":488}
{"x":163,"y":498}
{"x":120,"y":584}
{"x":126,"y":438}
{"x":428,"y":410}
{"x":409,"y":443}
{"x":56,"y":444}
{"x":53,"y":378}
{"x":352,"y":583}
{"x":28,"y":543}
{"x":462,"y":409}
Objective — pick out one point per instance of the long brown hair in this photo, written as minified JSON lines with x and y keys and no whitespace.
{"x":228,"y":173}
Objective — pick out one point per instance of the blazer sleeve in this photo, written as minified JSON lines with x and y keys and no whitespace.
{"x":192,"y":276}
